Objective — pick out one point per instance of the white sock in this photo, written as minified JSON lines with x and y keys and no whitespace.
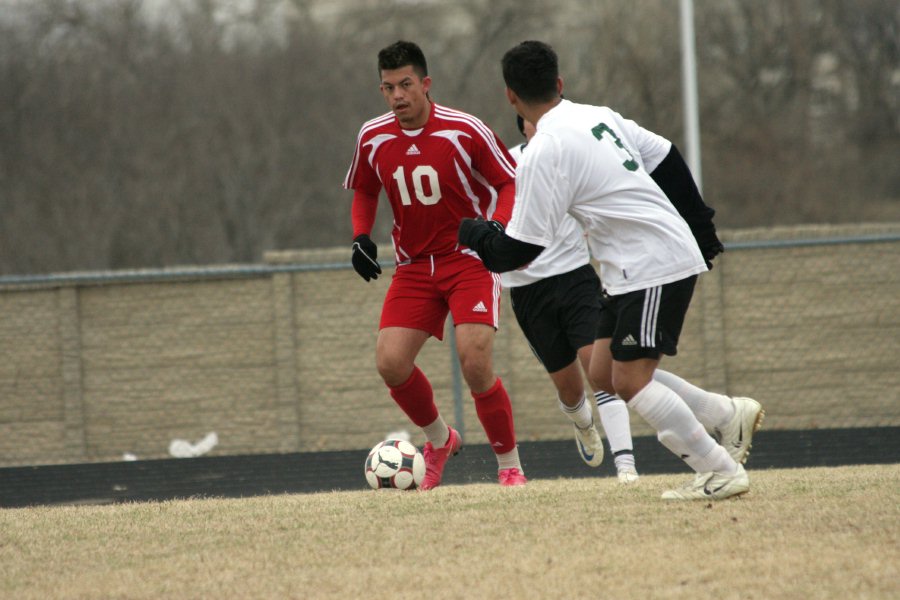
{"x":616,"y":421}
{"x":625,"y":459}
{"x":679,"y":430}
{"x":713,"y":410}
{"x":509,"y":460}
{"x":581,"y":414}
{"x":437,"y":432}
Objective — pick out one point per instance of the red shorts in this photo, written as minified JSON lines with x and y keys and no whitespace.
{"x":423,"y":291}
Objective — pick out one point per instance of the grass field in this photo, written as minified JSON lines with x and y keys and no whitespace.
{"x":811,"y":533}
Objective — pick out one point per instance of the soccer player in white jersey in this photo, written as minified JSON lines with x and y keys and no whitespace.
{"x":436,"y":165}
{"x":556,"y":299}
{"x":582,"y":161}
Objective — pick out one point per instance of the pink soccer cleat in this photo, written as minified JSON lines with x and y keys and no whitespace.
{"x":512,"y":477}
{"x":436,"y":458}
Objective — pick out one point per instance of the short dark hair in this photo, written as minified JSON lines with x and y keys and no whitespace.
{"x":520,"y":123}
{"x":531,"y":70}
{"x":402,"y":54}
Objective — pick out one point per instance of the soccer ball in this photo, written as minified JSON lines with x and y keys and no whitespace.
{"x":395,"y":464}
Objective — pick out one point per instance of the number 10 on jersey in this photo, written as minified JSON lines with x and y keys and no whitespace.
{"x":418,"y":177}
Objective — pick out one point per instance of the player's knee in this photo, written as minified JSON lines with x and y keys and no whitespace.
{"x":392,"y":368}
{"x":478,"y":379}
{"x":570,"y":390}
{"x":601,"y":384}
{"x":628,"y":382}
{"x":479,"y":374}
{"x":600,"y":379}
{"x":626,"y":390}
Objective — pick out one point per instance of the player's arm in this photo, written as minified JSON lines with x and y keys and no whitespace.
{"x":674,"y":177}
{"x":501,"y":252}
{"x":365,"y":252}
{"x":506,"y":195}
{"x":492,"y":159}
{"x":498,"y":251}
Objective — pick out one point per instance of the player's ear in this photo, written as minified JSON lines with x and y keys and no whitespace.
{"x":511,"y":96}
{"x":559,"y":85}
{"x":426,"y":83}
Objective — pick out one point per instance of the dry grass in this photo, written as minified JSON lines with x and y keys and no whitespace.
{"x":814,"y":533}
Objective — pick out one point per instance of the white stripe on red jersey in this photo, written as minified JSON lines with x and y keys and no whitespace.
{"x":433,"y":177}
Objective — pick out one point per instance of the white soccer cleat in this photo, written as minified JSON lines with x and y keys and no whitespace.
{"x":712,"y":486}
{"x":627,"y":475}
{"x":737,"y":435}
{"x":589,"y":444}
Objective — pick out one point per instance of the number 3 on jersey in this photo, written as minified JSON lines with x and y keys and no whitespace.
{"x":419,"y":175}
{"x":602,"y":128}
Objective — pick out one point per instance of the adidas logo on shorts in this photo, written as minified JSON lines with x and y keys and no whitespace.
{"x":629,"y":341}
{"x":480,"y":307}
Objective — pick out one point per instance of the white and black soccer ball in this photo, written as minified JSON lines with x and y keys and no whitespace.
{"x":395,"y":464}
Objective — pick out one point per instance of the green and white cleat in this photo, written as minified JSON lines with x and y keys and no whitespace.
{"x":737,"y":435}
{"x":712,"y":486}
{"x":589,"y":444}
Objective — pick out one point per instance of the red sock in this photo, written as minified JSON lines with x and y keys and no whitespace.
{"x":495,"y":413}
{"x":415,"y":397}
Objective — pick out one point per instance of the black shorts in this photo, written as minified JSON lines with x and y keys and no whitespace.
{"x":559,"y":315}
{"x":646,"y":323}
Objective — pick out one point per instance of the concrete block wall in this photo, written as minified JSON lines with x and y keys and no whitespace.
{"x":283,"y":360}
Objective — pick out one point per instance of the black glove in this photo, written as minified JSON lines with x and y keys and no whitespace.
{"x":365,"y":254}
{"x":496,"y":226}
{"x":710,"y":245}
{"x":473,"y":231}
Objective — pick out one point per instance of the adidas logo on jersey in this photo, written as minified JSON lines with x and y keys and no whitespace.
{"x":629,"y":341}
{"x":480,"y":307}
{"x":412,"y":151}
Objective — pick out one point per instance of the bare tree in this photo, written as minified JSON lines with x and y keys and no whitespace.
{"x":217,"y":133}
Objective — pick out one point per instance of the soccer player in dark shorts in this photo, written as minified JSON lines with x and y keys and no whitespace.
{"x":583,"y":162}
{"x":556,"y":302}
{"x":560,"y":314}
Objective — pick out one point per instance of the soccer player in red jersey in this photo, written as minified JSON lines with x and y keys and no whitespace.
{"x":437,"y":166}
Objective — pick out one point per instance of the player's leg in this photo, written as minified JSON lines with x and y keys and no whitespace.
{"x":679,"y":430}
{"x":573,"y":403}
{"x":541,"y":309}
{"x":395,"y":355}
{"x":648,"y":324}
{"x":613,"y":415}
{"x":412,"y":313}
{"x":732,"y":421}
{"x":473,"y":294}
{"x":612,"y":409}
{"x":572,"y":304}
{"x":711,"y":409}
{"x":475,"y":343}
{"x":570,"y":394}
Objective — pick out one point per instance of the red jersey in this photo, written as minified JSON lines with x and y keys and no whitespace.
{"x":433,"y":177}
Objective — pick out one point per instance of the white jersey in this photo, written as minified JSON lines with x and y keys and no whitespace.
{"x":567,"y":252}
{"x":585,"y":161}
